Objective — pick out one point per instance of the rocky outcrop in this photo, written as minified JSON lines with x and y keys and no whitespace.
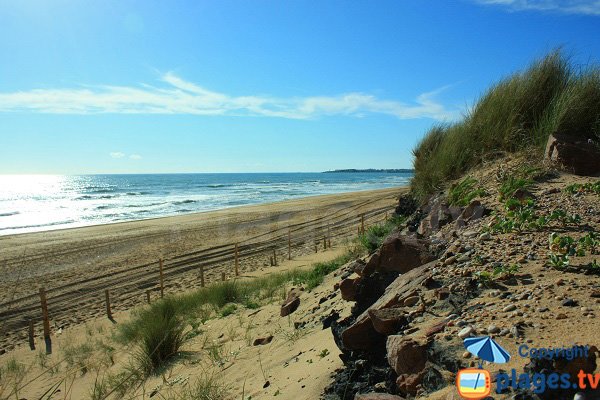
{"x":399,"y":253}
{"x":581,"y":157}
{"x":291,"y":303}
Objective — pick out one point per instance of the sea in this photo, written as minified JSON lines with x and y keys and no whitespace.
{"x":33,"y":203}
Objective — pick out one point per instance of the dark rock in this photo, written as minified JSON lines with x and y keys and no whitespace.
{"x":291,"y":303}
{"x":349,"y":288}
{"x":436,"y":328}
{"x":358,"y":266}
{"x":574,"y":154}
{"x":399,"y":253}
{"x":570,"y":303}
{"x":407,"y":205}
{"x":262,"y":341}
{"x":330,"y":319}
{"x":388,"y":321}
{"x":473,"y":211}
{"x":437,"y":214}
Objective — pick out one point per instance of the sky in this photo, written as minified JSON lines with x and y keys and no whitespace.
{"x":120,"y":86}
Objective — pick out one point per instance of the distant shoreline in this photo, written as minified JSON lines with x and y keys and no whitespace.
{"x":371,"y":170}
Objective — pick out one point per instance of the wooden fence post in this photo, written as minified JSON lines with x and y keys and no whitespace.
{"x":237,"y":263}
{"x":201,"y":276}
{"x":329,"y":235}
{"x":108,"y":309}
{"x":148,"y":296}
{"x":223,"y":276}
{"x":316,"y":246}
{"x":274,"y":257}
{"x":46,"y":320}
{"x":31,"y":335}
{"x":162,"y":279}
{"x":324,"y":243}
{"x":362,"y":223}
{"x":289,"y":245}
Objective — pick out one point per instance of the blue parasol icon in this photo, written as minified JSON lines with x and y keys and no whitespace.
{"x":487,"y":349}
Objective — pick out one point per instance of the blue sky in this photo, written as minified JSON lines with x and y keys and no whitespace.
{"x":234,"y":86}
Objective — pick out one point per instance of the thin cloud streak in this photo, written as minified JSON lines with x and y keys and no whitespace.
{"x":581,"y":7}
{"x":178,"y":96}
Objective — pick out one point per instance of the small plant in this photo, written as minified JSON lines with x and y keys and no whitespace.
{"x":206,"y":387}
{"x":462,"y":193}
{"x":228,"y":310}
{"x":510,"y":186}
{"x":324,"y":353}
{"x":583,"y":188}
{"x":558,"y":261}
{"x":485,"y":278}
{"x":506,"y":272}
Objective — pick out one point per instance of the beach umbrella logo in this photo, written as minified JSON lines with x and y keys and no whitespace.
{"x":473,"y":383}
{"x":487,"y":349}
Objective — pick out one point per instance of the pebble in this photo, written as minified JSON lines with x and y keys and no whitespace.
{"x":510,"y":307}
{"x":485,"y":236}
{"x":466,"y":332}
{"x":561,"y":316}
{"x":569,"y":303}
{"x":543,"y":309}
{"x":493,"y":329}
{"x":411,"y":301}
{"x":466,"y":354}
{"x":470,"y":234}
{"x":450,"y":260}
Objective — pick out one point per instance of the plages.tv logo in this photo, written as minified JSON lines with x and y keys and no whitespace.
{"x":476,"y":383}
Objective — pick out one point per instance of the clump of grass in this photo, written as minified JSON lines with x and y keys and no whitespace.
{"x":462,"y":193}
{"x":374,"y":236}
{"x":516,"y":114}
{"x":511,"y":185}
{"x":206,"y":387}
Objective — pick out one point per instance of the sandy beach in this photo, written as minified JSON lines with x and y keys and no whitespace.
{"x":75,"y":266}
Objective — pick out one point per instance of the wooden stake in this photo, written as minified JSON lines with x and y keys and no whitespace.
{"x":289,"y":245}
{"x":31,"y":335}
{"x":274,"y":257}
{"x":223,"y":276}
{"x":108,"y":310}
{"x":316,"y":246}
{"x":237,"y":263}
{"x":148,"y":296}
{"x":162,"y":279}
{"x":201,"y":276}
{"x":329,"y":236}
{"x":271,"y":261}
{"x":324,"y":243}
{"x":45,"y":320}
{"x":362,"y":223}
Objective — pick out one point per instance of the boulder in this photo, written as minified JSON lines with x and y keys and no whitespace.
{"x":410,"y":383}
{"x":581,"y":157}
{"x":437,"y":215}
{"x":361,"y":335}
{"x":291,"y":303}
{"x":399,"y":253}
{"x":388,"y":321}
{"x":405,"y":354}
{"x":377,"y":396}
{"x":263,"y":341}
{"x":349,"y":288}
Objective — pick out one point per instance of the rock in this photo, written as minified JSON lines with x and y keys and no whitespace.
{"x":561,"y":316}
{"x":358,"y":266}
{"x":509,"y":308}
{"x":485,"y":236}
{"x":405,"y":355}
{"x":436,"y":328}
{"x":411,"y":301}
{"x":470,"y":234}
{"x":349,"y":288}
{"x":291,"y":303}
{"x":569,"y":303}
{"x":466,"y":332}
{"x":361,"y":335}
{"x":399,"y":253}
{"x":493,"y":329}
{"x":442,"y":293}
{"x":473,"y":211}
{"x":388,"y":321}
{"x":377,"y":396}
{"x":263,"y":341}
{"x":466,"y":354}
{"x":437,"y":215}
{"x":577,"y":155}
{"x":450,"y":260}
{"x":410,"y":383}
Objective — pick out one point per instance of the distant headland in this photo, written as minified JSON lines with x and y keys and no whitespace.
{"x":388,"y":171}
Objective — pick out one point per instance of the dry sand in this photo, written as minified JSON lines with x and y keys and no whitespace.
{"x":77,"y":265}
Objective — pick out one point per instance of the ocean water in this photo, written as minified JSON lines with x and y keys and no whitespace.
{"x":30,"y":203}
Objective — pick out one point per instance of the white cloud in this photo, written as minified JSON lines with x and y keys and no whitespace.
{"x":177,"y":96}
{"x":135,"y":157}
{"x":117,"y":154}
{"x":585,"y":7}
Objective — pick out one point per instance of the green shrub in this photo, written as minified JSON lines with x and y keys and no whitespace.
{"x":517,"y":113}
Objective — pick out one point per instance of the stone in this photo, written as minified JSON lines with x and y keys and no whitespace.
{"x":442,"y":293}
{"x":410,"y":383}
{"x":291,"y":303}
{"x":437,"y":214}
{"x":358,"y":266}
{"x":509,"y":308}
{"x":493,"y":329}
{"x":388,"y":321}
{"x":377,"y":396}
{"x":579,"y":156}
{"x":405,"y":354}
{"x":263,"y":341}
{"x":473,"y":211}
{"x":470,"y":234}
{"x":569,"y":303}
{"x":436,"y":328}
{"x":411,"y":301}
{"x":349,"y":288}
{"x":399,"y":253}
{"x":561,"y":316}
{"x":466,"y":332}
{"x":485,"y":236}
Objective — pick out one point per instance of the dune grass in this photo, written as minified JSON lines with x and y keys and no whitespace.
{"x":515,"y":114}
{"x":158,"y":331}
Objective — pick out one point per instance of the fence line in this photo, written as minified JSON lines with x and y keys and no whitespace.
{"x":214,"y":258}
